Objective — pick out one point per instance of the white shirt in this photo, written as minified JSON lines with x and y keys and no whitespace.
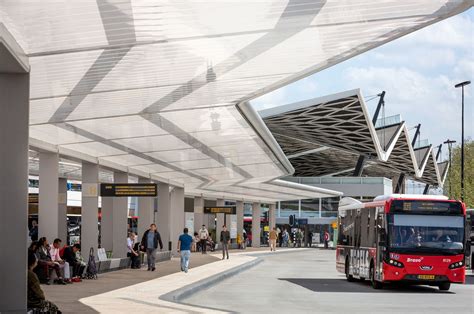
{"x":130,"y":244}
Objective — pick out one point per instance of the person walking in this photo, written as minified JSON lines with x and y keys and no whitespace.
{"x":150,"y":240}
{"x":273,"y":235}
{"x":203,"y":236}
{"x":184,"y":247}
{"x":286,"y":237}
{"x":326,"y":239}
{"x":244,"y":242}
{"x":225,"y":241}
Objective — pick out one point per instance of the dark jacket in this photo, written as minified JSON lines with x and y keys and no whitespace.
{"x":44,"y":256}
{"x":157,"y":240}
{"x":69,"y":256}
{"x":35,"y":293}
{"x":34,"y":233}
{"x":225,"y":236}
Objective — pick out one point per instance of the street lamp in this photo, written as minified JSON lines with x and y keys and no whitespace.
{"x":462,"y":84}
{"x":450,"y":145}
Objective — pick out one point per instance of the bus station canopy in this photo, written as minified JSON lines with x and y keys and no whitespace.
{"x":161,"y":89}
{"x":326,"y":136}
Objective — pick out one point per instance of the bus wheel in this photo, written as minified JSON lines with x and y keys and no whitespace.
{"x":375,"y":284}
{"x":349,"y":277}
{"x":445,"y":286}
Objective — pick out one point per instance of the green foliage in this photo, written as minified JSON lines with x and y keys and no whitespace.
{"x":454,"y":175}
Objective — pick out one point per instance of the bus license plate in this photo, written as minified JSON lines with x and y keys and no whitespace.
{"x":426,"y":277}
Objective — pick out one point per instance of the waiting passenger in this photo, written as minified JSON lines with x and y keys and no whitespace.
{"x":35,"y":296}
{"x":70,"y":256}
{"x":34,"y":231}
{"x":46,"y":263}
{"x":56,"y":258}
{"x":131,"y":252}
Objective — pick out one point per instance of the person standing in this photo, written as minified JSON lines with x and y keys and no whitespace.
{"x":225,"y":241}
{"x":326,"y":239}
{"x":184,"y":247}
{"x":244,"y":242}
{"x":150,"y":240}
{"x":203,"y":236}
{"x":34,"y":231}
{"x":273,"y":235}
{"x":310,"y":238}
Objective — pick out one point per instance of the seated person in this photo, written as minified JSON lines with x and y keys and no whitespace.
{"x":56,"y":258}
{"x":70,"y":256}
{"x":46,"y":263}
{"x":35,"y":295}
{"x":132,"y":251}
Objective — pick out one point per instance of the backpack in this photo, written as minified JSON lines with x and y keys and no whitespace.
{"x":91,"y":272}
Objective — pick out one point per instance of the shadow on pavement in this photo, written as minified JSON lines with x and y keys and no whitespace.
{"x":341,"y":285}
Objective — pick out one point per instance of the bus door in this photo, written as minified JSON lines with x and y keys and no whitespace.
{"x":380,"y":243}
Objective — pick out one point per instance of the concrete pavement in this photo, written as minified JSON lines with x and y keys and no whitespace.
{"x":307,"y":282}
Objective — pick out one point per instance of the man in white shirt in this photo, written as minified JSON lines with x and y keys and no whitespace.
{"x":134,"y":255}
{"x":56,"y":258}
{"x":203,"y":236}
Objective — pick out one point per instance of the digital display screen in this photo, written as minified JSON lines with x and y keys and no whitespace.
{"x":220,"y":210}
{"x":128,"y":189}
{"x":422,"y":206}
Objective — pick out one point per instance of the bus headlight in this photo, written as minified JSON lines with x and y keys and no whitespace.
{"x":456,"y":265}
{"x":395,"y":263}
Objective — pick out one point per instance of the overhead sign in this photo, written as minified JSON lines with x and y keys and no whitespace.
{"x":302,"y":221}
{"x":128,"y":189}
{"x":220,"y":210}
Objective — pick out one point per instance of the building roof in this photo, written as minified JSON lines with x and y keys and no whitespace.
{"x":330,"y":134}
{"x":159,"y":90}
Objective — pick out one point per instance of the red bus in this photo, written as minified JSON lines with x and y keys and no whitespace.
{"x":417,"y":239}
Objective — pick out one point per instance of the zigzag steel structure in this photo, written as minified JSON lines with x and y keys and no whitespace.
{"x":325,"y":137}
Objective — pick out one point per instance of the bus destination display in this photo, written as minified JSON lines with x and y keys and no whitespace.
{"x":128,"y":189}
{"x":220,"y":210}
{"x":426,"y":206}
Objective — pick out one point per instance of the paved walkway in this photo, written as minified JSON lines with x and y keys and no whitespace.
{"x":67,"y":297}
{"x":126,"y":288}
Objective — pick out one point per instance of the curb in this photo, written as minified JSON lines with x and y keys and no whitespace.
{"x":186,"y":291}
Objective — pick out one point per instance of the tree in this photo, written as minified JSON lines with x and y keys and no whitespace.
{"x":454,"y":174}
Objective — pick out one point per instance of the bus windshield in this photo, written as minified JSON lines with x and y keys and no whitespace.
{"x":426,"y":233}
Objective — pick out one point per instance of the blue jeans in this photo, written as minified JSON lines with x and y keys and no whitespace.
{"x":185,"y":255}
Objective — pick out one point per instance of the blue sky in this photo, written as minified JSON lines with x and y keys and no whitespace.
{"x":418,"y":73}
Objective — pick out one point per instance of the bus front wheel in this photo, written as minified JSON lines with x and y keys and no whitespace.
{"x":445,"y":286}
{"x":375,"y":284}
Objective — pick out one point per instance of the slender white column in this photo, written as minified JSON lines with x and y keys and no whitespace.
{"x":198,"y":213}
{"x":14,"y":112}
{"x":106,"y":223}
{"x":145,"y":211}
{"x":120,"y":219}
{"x":220,"y":221}
{"x":256,"y":211}
{"x":90,"y":208}
{"x":240,"y":218}
{"x":271,"y":216}
{"x":48,"y":214}
{"x":176,"y":215}
{"x":62,"y":210}
{"x":163,"y":214}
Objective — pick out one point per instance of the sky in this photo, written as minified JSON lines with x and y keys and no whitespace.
{"x":418,"y":73}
